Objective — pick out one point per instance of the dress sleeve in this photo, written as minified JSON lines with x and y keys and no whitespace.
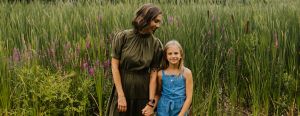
{"x":158,"y":54}
{"x":117,"y":44}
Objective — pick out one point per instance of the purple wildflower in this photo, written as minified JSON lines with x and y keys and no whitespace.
{"x":91,"y":71}
{"x":16,"y":55}
{"x":85,"y":65}
{"x":106,"y":64}
{"x":170,"y":19}
{"x":97,"y":63}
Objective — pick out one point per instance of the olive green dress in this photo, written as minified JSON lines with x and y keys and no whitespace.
{"x":138,"y":55}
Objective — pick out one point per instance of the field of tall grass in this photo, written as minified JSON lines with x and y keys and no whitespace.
{"x":244,"y":55}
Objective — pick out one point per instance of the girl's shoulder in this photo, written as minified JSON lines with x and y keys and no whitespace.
{"x":187,"y":73}
{"x":159,"y":73}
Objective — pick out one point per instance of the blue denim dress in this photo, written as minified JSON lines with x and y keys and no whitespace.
{"x":173,"y":95}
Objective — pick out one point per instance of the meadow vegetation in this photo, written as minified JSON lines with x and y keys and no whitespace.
{"x":244,"y":55}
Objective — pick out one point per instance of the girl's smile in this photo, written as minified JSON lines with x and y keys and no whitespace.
{"x":173,"y":55}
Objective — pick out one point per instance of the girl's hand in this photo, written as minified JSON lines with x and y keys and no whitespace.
{"x":147,"y":111}
{"x":122,"y":104}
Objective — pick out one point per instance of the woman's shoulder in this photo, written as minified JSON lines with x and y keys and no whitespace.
{"x":157,"y":42}
{"x":124,"y":32}
{"x":128,"y":31}
{"x":122,"y":35}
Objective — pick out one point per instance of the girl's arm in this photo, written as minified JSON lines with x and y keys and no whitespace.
{"x":189,"y":92}
{"x":122,"y":105}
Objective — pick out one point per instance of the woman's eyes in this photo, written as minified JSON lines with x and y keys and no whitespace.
{"x":157,"y":21}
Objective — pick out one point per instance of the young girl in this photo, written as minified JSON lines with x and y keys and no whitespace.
{"x":175,"y":83}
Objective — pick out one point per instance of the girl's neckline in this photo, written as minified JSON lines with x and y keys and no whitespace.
{"x":177,"y":74}
{"x":172,"y":74}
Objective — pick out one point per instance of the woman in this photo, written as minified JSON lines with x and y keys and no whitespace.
{"x":135,"y":54}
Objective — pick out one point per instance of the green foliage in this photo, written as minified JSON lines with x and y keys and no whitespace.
{"x":37,"y":91}
{"x":244,"y":54}
{"x":177,"y":2}
{"x":4,"y":82}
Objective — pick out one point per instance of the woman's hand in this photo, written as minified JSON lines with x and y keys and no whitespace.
{"x":122,"y":104}
{"x":148,"y":110}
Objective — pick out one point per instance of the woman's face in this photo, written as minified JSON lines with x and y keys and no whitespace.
{"x":154,"y":24}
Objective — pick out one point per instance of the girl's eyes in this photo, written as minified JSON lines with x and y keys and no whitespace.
{"x":170,"y":53}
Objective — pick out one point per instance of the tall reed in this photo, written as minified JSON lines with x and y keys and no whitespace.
{"x":244,"y":55}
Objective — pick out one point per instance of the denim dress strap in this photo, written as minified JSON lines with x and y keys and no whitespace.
{"x":181,"y":72}
{"x":163,"y":73}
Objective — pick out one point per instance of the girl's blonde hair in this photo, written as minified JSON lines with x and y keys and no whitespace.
{"x":165,"y":62}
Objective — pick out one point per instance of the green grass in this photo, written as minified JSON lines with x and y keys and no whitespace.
{"x":244,"y":55}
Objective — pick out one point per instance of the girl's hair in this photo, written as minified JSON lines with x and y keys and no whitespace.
{"x":165,"y":62}
{"x":145,"y":15}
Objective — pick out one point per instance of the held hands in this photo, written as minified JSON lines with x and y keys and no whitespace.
{"x":122,"y":104}
{"x":148,"y":110}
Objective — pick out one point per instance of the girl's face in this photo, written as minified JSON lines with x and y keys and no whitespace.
{"x":154,"y":24}
{"x":173,"y":55}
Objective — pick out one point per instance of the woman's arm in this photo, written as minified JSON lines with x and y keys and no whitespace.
{"x":158,"y":88}
{"x":152,"y":85}
{"x":189,"y":92}
{"x":149,"y":110}
{"x":122,"y":105}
